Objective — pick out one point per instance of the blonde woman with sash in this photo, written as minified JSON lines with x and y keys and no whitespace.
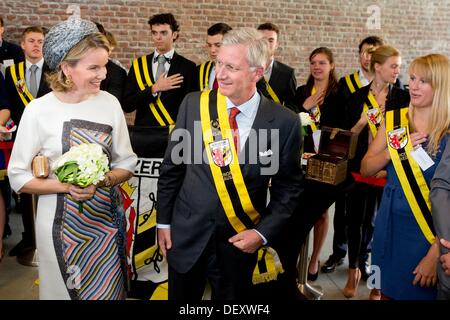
{"x":405,"y":247}
{"x":365,"y":113}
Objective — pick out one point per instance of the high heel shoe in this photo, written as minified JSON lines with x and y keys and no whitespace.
{"x":314,"y":276}
{"x":354,"y":275}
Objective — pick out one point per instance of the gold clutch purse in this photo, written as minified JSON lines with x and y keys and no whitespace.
{"x":40,"y":167}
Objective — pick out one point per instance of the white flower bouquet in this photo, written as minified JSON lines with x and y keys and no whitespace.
{"x":82,"y":165}
{"x":306,"y":120}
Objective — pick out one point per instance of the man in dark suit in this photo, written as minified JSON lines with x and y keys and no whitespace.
{"x":25,"y":82}
{"x":279,"y":83}
{"x":158,"y":82}
{"x":9,"y":52}
{"x":213,"y":218}
{"x":206,"y":71}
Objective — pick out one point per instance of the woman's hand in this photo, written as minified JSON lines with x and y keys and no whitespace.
{"x":382,"y":174}
{"x":426,"y":274}
{"x":82,"y":194}
{"x":314,"y":100}
{"x":417,"y":138}
{"x":3,"y":133}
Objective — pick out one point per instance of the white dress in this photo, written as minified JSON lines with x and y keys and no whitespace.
{"x":80,"y":255}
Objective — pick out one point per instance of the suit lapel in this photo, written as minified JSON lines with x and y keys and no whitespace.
{"x":274,"y":78}
{"x":263,"y":120}
{"x":150,"y":66}
{"x":43,"y":87}
{"x":174,"y":64}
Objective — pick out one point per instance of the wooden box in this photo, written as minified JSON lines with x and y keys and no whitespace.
{"x":329,"y":165}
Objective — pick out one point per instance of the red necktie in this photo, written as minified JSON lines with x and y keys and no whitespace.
{"x":234,"y":127}
{"x":215,"y":84}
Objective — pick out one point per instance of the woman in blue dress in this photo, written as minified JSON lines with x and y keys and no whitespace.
{"x":404,"y":246}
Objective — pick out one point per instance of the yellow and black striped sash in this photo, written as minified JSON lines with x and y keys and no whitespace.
{"x":162,"y":115}
{"x":408,"y":171}
{"x":315,"y":113}
{"x":18,"y":76}
{"x":353,"y":82}
{"x":205,"y":70}
{"x":228,"y":178}
{"x":271,"y":92}
{"x":373,"y":113}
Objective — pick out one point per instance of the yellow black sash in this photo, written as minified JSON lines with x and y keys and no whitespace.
{"x":228,"y":179}
{"x":271,"y":92}
{"x":162,"y":116}
{"x":408,"y":171}
{"x":373,"y":113}
{"x":353,"y":81}
{"x":19,"y":82}
{"x":205,"y":70}
{"x":315,"y":113}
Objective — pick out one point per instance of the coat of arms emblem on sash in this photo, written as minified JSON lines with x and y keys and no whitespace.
{"x":398,"y":138}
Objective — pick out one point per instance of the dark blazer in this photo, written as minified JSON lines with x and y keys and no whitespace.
{"x":4,"y":102}
{"x":187,"y":197}
{"x":9,"y":50}
{"x":283,"y":82}
{"x":344,"y":91}
{"x":197,"y":76}
{"x":396,"y":98}
{"x":17,"y":106}
{"x":440,"y":202}
{"x":135,"y":99}
{"x":331,"y":115}
{"x":116,"y":78}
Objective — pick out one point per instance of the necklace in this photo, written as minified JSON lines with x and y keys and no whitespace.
{"x":379,"y":91}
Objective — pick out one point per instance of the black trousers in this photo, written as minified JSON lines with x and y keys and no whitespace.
{"x":228,"y":270}
{"x":361,"y":204}
{"x":340,"y":227}
{"x":312,"y":203}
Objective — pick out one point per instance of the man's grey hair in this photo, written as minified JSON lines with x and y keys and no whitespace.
{"x":258,"y":54}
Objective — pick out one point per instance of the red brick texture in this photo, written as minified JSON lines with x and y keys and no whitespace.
{"x":413,"y":26}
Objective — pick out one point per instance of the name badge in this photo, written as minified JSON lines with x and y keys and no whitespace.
{"x":422,"y":158}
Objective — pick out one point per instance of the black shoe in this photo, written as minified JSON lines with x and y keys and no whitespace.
{"x":331,"y":264}
{"x":313,"y":276}
{"x":21,"y":248}
{"x":365,"y":271}
{"x":7,"y":231}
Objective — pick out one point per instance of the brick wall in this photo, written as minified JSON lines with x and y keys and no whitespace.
{"x":415,"y":27}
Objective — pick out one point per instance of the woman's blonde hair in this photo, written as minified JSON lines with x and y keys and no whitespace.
{"x":56,"y":79}
{"x":381,"y":54}
{"x":435,"y":69}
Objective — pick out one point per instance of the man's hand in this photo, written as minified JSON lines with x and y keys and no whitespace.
{"x":247,"y":241}
{"x":165,"y":83}
{"x":445,"y":258}
{"x":164,"y":240}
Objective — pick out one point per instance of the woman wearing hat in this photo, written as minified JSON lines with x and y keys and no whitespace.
{"x":81,"y":255}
